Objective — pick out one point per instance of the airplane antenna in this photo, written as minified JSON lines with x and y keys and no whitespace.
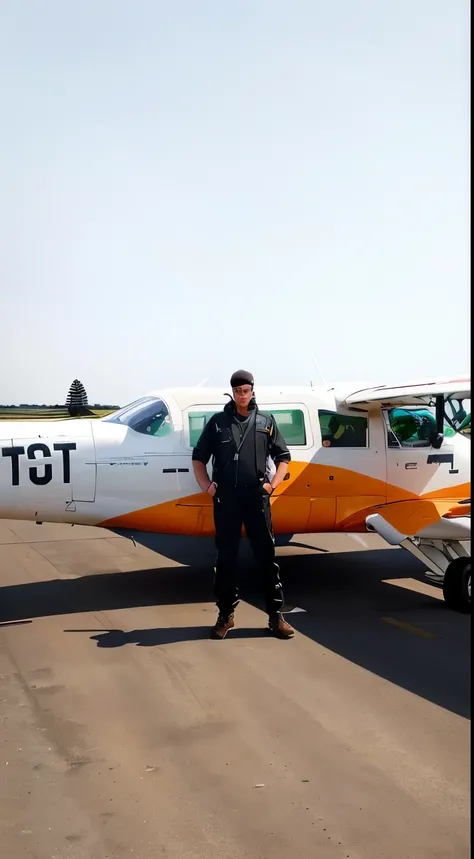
{"x":319,"y":371}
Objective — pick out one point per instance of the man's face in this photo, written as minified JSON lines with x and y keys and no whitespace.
{"x":242,"y":395}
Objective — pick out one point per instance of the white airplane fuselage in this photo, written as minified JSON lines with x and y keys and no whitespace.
{"x":120,"y":472}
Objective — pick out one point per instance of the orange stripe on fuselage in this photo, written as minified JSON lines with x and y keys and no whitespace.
{"x":315,"y":498}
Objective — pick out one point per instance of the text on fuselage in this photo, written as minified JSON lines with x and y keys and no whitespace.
{"x":40,"y":474}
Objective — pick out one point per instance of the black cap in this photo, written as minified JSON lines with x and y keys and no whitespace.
{"x":241,"y":377}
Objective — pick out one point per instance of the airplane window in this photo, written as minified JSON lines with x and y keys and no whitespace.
{"x":197,"y":422}
{"x":149,"y":416}
{"x":290,"y":422}
{"x":411,"y":427}
{"x":342,"y":430}
{"x":458,"y":417}
{"x":120,"y":414}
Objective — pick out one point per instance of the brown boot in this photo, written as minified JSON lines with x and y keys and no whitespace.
{"x":280,"y":627}
{"x":223,"y":624}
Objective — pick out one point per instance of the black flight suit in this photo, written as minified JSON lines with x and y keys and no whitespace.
{"x":241,"y":499}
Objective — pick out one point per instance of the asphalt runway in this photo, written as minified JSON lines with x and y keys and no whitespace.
{"x":126,"y":732}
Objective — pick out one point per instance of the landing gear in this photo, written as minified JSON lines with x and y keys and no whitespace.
{"x":445,"y":548}
{"x":457,"y":585}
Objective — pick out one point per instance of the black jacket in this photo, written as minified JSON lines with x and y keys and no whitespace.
{"x":220,"y":441}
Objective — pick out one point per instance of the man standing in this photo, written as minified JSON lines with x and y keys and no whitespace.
{"x":241,"y":439}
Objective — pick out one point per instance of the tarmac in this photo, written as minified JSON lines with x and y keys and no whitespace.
{"x":126,"y":732}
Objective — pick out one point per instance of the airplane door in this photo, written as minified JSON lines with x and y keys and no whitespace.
{"x":413,"y":465}
{"x":354,"y":455}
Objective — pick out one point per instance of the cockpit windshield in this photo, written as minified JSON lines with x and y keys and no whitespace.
{"x":149,"y":416}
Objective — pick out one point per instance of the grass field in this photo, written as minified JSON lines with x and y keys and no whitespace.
{"x":46,"y":414}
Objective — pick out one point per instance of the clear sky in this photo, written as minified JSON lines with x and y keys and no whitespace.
{"x":194,"y":186}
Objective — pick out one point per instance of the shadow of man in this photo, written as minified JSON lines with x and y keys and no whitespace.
{"x":166,"y":635}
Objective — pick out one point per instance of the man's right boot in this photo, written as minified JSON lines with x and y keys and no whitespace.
{"x":223,"y":624}
{"x":279,"y":626}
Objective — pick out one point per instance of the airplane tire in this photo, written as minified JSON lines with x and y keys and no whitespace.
{"x":457,"y":585}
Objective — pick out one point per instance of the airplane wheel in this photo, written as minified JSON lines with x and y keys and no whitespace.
{"x":457,"y":585}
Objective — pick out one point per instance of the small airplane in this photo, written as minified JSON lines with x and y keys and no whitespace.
{"x":391,"y":460}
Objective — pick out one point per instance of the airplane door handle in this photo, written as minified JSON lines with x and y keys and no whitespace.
{"x":411,"y":465}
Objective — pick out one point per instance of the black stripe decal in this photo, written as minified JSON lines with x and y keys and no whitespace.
{"x":174,"y":470}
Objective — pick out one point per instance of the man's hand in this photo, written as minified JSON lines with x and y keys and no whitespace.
{"x":211,"y":490}
{"x":270,"y":488}
{"x":202,"y":477}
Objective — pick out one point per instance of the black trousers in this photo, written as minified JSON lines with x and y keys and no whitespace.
{"x":250,"y":507}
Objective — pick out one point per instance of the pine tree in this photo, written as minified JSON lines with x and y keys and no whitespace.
{"x":77,"y":398}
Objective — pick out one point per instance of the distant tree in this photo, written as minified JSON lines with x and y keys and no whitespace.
{"x":76,"y":401}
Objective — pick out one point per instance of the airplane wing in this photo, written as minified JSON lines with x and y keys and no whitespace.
{"x":421,"y":393}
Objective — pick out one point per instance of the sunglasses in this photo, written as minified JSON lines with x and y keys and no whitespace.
{"x":242,"y":391}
